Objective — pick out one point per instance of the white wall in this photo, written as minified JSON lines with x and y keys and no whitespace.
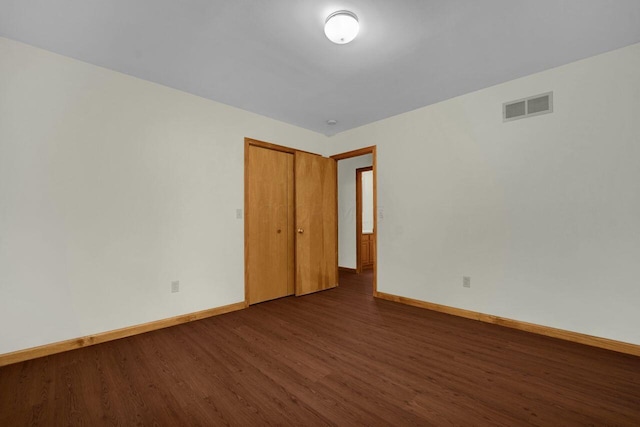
{"x":110,"y":188}
{"x":542,"y":213}
{"x":347,"y":208}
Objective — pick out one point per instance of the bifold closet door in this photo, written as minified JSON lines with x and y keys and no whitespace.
{"x":316,"y":223}
{"x":270,"y":224}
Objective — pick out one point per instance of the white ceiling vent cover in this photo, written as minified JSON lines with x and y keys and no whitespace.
{"x":527,"y":107}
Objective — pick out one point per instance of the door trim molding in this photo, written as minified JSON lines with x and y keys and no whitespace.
{"x":355,"y":153}
{"x":263,"y":144}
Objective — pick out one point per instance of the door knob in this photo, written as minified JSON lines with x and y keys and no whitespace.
{"x":279,"y":231}
{"x":300,"y":230}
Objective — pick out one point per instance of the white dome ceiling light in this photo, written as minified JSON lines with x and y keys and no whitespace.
{"x":341,"y":27}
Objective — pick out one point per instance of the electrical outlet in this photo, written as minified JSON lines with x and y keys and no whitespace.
{"x":238,"y":213}
{"x":466,"y":281}
{"x":175,"y":286}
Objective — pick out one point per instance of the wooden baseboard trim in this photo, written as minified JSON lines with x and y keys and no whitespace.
{"x":72,"y":344}
{"x":619,"y":346}
{"x":347,"y":269}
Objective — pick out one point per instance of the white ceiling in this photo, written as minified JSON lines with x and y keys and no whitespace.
{"x":272,"y":58}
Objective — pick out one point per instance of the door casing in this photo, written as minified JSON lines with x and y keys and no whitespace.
{"x":360,"y":152}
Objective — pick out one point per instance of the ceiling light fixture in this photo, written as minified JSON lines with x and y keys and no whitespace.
{"x":341,"y":27}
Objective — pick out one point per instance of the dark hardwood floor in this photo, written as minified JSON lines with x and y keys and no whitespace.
{"x":338,"y":357}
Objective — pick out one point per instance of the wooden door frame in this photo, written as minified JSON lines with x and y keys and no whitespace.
{"x":355,"y":153}
{"x":359,"y":217}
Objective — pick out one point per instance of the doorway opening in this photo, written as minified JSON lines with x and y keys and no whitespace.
{"x":357,"y":240}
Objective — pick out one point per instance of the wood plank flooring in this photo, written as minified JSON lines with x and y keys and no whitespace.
{"x":338,"y":357}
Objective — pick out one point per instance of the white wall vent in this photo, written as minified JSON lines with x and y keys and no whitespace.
{"x":527,"y":107}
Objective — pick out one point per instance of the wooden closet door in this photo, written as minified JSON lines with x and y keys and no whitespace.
{"x":270,"y":224}
{"x":316,"y":223}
